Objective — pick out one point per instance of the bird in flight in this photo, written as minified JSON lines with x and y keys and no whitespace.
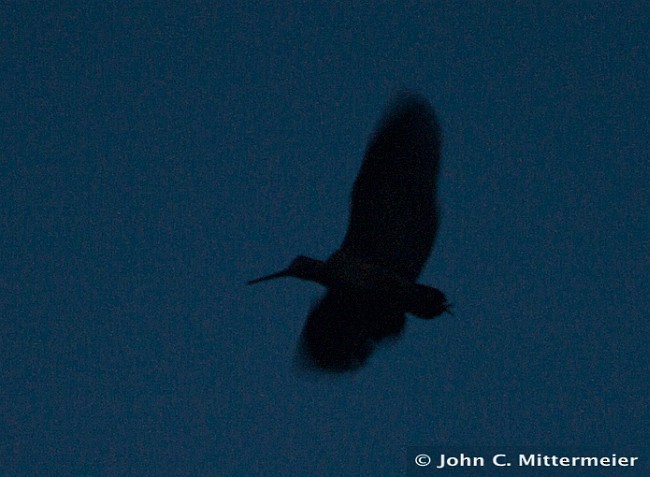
{"x":371,"y":278}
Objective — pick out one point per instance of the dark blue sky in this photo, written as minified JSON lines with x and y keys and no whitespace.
{"x":156,"y":158}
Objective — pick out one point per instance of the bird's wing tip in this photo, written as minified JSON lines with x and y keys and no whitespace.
{"x":408,"y":103}
{"x":305,"y":366}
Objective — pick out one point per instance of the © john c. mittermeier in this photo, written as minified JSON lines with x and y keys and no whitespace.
{"x":536,"y":460}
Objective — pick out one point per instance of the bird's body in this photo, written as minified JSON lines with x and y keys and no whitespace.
{"x":393,"y":223}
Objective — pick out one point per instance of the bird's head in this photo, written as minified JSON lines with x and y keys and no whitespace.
{"x":301,"y":267}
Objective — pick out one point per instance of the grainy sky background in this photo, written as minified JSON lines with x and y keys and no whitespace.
{"x":155,"y":158}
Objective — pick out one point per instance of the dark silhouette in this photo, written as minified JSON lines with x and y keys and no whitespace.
{"x":393,"y":223}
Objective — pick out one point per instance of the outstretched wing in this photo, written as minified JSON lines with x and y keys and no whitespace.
{"x":393,"y":219}
{"x":343,"y":329}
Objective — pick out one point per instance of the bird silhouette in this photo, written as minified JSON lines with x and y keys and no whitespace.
{"x":371,"y":279}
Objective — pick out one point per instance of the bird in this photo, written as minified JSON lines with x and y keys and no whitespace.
{"x":371,"y":279}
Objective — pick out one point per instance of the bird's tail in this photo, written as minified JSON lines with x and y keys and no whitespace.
{"x":428,"y":302}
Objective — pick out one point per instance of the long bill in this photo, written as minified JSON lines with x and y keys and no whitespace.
{"x":281,"y":274}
